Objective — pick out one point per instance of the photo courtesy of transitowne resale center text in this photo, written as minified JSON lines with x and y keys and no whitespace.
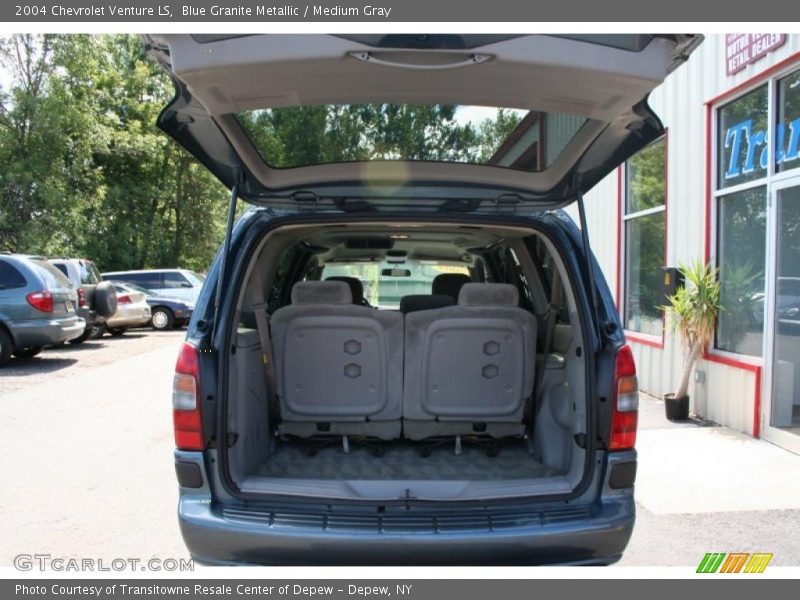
{"x":407,"y":300}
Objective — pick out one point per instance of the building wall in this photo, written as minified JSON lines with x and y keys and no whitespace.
{"x":732,"y":388}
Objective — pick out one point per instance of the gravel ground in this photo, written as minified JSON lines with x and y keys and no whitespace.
{"x":69,"y":359}
{"x":87,"y":462}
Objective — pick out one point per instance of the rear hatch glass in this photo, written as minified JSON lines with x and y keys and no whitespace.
{"x":53,"y":278}
{"x":503,"y":137}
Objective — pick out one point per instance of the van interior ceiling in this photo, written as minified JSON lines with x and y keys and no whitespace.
{"x":433,"y":361}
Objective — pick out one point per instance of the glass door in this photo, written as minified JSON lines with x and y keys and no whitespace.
{"x":782,"y":409}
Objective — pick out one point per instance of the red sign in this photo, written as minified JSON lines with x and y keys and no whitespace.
{"x":742,"y":49}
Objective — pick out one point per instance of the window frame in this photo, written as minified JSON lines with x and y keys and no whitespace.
{"x":656,"y":341}
{"x":772,"y":178}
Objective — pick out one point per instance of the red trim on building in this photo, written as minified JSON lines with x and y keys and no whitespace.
{"x":709,"y":186}
{"x":752,"y":365}
{"x":648,"y":340}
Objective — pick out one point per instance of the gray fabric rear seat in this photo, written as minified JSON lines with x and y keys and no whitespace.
{"x":339,"y":367}
{"x":469,"y":368}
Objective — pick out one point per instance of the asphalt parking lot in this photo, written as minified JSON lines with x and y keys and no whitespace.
{"x":88,"y":470}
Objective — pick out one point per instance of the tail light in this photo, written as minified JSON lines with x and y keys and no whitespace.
{"x":186,"y":401}
{"x":42,"y":301}
{"x":625,"y":408}
{"x":123,"y":299}
{"x":81,"y":297}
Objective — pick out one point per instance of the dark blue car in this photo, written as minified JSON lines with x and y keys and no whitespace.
{"x":489,"y":419}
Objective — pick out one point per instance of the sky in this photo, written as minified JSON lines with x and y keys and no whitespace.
{"x":477,"y":114}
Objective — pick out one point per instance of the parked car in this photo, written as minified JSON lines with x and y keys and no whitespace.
{"x":167,"y":313}
{"x":132,"y":310}
{"x":37,"y":307}
{"x":465,"y":427}
{"x":170,"y":283}
{"x":96,"y":298}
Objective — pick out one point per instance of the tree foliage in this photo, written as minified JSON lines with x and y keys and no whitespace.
{"x":83,"y":169}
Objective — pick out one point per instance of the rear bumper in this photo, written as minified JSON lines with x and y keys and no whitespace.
{"x":45,"y":332}
{"x":214,"y":539}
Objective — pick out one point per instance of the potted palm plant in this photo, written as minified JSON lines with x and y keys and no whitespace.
{"x":692,"y":314}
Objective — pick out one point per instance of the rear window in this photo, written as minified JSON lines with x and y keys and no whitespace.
{"x":89,"y":274}
{"x":10,"y":277}
{"x":386,"y":283}
{"x":502,"y":137}
{"x":52,"y":277}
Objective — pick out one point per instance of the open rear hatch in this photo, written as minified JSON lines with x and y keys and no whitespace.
{"x":574,"y":107}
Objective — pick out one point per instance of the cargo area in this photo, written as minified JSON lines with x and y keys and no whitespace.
{"x":436,"y":362}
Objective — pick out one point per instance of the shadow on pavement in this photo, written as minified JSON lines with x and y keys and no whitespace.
{"x":37,"y":365}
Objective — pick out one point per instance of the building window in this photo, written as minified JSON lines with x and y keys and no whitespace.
{"x":644,"y":220}
{"x":741,"y":256}
{"x":743,"y":185}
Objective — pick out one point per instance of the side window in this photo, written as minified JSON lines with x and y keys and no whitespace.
{"x":62,"y":268}
{"x":278,"y":291}
{"x":514,"y":275}
{"x":10,"y":277}
{"x":174,"y":280}
{"x":150,"y":280}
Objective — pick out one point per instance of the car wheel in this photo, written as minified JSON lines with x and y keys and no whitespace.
{"x":6,"y":346}
{"x":162,"y":319}
{"x":82,"y":337}
{"x":97,"y":331}
{"x":117,"y":331}
{"x":28,"y":352}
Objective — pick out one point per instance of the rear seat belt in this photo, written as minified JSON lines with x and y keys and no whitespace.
{"x":551,"y":315}
{"x":259,"y":306}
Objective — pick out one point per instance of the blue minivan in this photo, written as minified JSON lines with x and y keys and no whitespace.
{"x":489,"y":418}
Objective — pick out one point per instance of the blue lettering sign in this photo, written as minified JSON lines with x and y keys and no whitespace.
{"x":733,"y":140}
{"x":744,"y":143}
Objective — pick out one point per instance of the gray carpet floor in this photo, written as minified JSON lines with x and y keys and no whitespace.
{"x":404,"y":461}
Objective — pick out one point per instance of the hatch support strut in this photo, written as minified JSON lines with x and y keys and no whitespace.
{"x":226,"y":246}
{"x":589,"y":261}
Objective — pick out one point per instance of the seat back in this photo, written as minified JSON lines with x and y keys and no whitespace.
{"x":337,"y":363}
{"x":356,"y":287}
{"x":449,"y":284}
{"x":469,"y":368}
{"x":415,"y":302}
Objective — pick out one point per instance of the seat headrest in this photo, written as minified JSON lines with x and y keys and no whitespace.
{"x":449,"y":284}
{"x":488,"y":294}
{"x":415,"y":302}
{"x":356,"y":287}
{"x":321,"y":292}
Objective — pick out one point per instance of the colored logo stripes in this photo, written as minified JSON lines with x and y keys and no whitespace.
{"x":734,"y":562}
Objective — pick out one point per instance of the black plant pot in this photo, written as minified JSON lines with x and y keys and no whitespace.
{"x":677,"y":409}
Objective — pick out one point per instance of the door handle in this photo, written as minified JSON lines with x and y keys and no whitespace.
{"x":369,"y":57}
